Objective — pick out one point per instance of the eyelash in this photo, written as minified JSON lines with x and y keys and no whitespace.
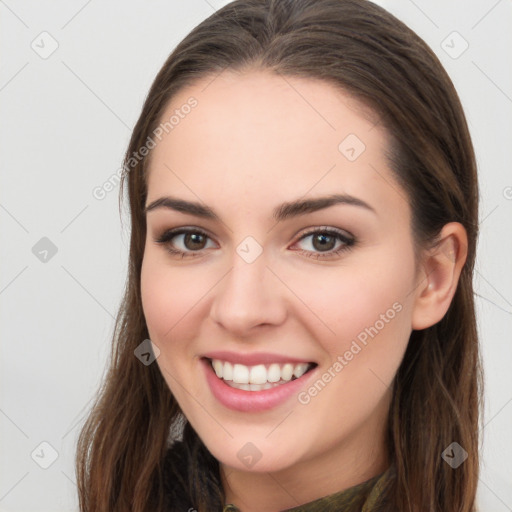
{"x":348,"y":242}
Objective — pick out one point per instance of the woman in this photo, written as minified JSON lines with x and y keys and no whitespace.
{"x":303,"y":200}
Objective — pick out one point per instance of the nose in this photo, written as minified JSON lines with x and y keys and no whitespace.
{"x":249,"y":296}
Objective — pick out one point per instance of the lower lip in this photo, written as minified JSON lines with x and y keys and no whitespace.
{"x":252,"y":401}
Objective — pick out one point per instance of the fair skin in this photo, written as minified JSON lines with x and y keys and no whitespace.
{"x":254,"y":142}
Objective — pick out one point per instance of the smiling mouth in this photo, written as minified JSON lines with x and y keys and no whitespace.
{"x":260,"y":376}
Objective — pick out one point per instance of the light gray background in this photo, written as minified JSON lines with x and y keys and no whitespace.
{"x":65,"y":122}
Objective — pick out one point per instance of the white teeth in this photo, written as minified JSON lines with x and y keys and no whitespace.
{"x":217,"y":366}
{"x":252,"y":387}
{"x":227,"y":371}
{"x":300,"y":370}
{"x":287,"y":372}
{"x":258,"y":374}
{"x":240,"y":374}
{"x":256,"y":378}
{"x":274,"y":373}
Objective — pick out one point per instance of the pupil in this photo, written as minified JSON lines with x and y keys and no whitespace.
{"x":323,"y":242}
{"x":194,"y":241}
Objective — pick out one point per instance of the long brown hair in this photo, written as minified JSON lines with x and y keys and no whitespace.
{"x":367,"y":52}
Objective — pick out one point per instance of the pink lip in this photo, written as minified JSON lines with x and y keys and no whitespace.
{"x":252,"y":401}
{"x":253,"y":359}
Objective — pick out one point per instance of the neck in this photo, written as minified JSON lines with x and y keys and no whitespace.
{"x":350,"y":463}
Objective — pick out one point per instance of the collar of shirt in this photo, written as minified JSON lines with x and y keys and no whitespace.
{"x":364,"y":497}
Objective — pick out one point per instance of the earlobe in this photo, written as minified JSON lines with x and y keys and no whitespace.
{"x":441,"y":267}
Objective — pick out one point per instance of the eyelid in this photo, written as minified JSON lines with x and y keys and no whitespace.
{"x":347,"y":239}
{"x":343,"y":233}
{"x":168,"y":235}
{"x":172,"y":232}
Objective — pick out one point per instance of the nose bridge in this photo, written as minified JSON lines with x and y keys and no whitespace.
{"x":248,"y":296}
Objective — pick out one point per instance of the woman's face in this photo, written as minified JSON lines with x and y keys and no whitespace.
{"x":292,"y":251}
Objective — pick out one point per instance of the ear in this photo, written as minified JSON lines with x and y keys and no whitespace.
{"x":439,"y":274}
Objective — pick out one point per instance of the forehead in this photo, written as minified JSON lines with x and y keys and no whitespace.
{"x":252,"y":132}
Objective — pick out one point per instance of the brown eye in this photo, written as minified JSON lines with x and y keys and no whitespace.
{"x":194,"y":241}
{"x":185,"y":242}
{"x":323,"y":242}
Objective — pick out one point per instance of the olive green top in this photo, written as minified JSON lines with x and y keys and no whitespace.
{"x":364,"y":497}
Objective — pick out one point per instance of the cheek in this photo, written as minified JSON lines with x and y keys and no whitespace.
{"x":362,"y":301}
{"x":169,"y":297}
{"x":171,"y":301}
{"x":369,"y":308}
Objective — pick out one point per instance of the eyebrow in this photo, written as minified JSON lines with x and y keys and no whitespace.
{"x":284,"y":211}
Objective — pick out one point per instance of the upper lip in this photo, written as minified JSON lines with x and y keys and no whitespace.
{"x":252,"y":359}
